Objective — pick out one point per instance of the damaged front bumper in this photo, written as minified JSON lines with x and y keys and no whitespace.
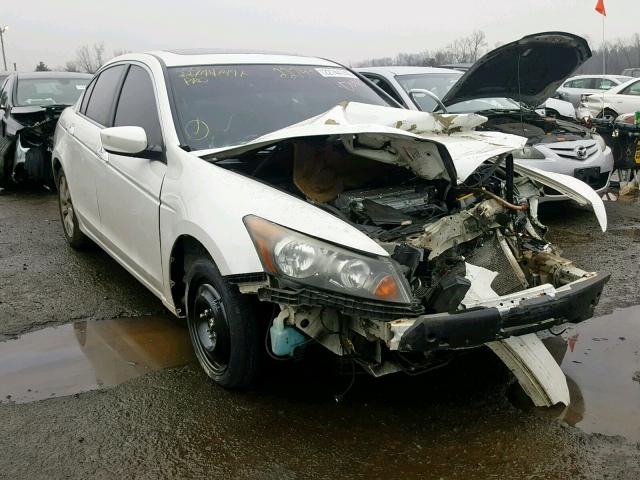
{"x":523,"y":312}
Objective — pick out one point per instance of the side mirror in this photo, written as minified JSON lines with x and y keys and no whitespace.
{"x":124,"y":140}
{"x":417,"y":94}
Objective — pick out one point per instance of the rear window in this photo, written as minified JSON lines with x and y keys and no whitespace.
{"x":49,"y":91}
{"x":223,"y":105}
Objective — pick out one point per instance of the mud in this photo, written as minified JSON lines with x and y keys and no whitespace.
{"x":458,"y":422}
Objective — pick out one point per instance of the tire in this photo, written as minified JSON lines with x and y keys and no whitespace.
{"x":607,"y":112}
{"x":550,"y":112}
{"x":6,"y":154}
{"x":223,"y":327}
{"x":75,"y":238}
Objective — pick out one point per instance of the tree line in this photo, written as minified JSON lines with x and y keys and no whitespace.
{"x":88,"y":59}
{"x":463,"y":50}
{"x":620,"y":54}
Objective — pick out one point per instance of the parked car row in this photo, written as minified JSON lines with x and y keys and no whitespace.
{"x":279,"y":201}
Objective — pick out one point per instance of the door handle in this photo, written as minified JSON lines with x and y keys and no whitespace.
{"x":72,"y":130}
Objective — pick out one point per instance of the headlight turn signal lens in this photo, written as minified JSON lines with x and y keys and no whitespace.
{"x":320,"y":264}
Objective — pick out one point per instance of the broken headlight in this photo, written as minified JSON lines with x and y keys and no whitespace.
{"x":312,"y":262}
{"x":528,"y":153}
{"x":602,"y":145}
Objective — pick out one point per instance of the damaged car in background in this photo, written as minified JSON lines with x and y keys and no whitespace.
{"x":30,"y":104}
{"x":508,"y":86}
{"x":280,"y":201}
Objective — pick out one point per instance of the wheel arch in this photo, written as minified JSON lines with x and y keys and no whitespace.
{"x":56,"y":166}
{"x":185,"y":249}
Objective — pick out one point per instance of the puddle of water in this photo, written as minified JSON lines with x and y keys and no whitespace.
{"x":87,"y":355}
{"x":601,"y":359}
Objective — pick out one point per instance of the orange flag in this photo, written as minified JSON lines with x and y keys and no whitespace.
{"x":600,"y":8}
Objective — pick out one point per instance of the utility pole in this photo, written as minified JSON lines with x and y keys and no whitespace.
{"x":3,"y":28}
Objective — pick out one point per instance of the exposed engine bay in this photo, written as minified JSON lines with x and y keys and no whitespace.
{"x":432,"y":229}
{"x":535,"y":128}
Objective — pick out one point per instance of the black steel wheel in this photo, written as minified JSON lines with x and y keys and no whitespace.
{"x":222,"y":326}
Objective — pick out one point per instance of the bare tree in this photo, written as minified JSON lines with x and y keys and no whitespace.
{"x":477,"y":42}
{"x":90,"y":59}
{"x":117,"y":53}
{"x":71,"y":66}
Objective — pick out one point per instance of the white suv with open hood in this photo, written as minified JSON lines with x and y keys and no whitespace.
{"x":227,"y":183}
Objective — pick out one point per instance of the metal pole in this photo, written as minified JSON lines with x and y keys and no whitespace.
{"x":604,"y":51}
{"x":4,"y":58}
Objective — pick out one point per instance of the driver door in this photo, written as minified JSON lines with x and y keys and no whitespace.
{"x":129,"y":190}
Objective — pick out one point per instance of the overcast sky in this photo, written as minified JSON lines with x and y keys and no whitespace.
{"x":344,"y":30}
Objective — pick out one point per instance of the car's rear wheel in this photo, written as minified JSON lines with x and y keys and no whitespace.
{"x":222,"y":326}
{"x":68,"y":218}
{"x":608,"y":113}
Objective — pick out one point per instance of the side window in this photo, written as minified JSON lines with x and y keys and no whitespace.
{"x":384,"y":85}
{"x":604,"y":84}
{"x":582,"y":83}
{"x":87,"y":96}
{"x":103,"y":96}
{"x":137,"y":106}
{"x":4,"y":92}
{"x":569,"y":84}
{"x":633,"y":89}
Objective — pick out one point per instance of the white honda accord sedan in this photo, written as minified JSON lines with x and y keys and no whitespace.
{"x":277,"y":201}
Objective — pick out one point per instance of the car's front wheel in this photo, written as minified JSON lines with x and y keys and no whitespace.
{"x":222,"y":326}
{"x":75,"y":238}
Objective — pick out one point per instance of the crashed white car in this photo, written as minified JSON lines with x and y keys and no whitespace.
{"x":279,"y":200}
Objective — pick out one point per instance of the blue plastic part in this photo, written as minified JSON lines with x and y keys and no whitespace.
{"x":284,"y":338}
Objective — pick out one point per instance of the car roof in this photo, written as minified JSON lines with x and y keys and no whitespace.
{"x":30,"y":75}
{"x":401,"y":70}
{"x":187,"y":57}
{"x":595,"y":76}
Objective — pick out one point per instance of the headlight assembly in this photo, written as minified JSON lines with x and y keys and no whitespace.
{"x":528,"y":153}
{"x":600,"y":141}
{"x":312,"y":262}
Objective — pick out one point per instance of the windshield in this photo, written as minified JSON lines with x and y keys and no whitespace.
{"x":223,"y":105}
{"x":437,"y":83}
{"x":482,"y":104}
{"x":49,"y":91}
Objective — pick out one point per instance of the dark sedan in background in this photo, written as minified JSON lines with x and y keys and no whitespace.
{"x":30,"y":104}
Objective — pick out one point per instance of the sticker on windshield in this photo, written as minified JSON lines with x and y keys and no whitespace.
{"x":335,"y":72}
{"x":80,"y":87}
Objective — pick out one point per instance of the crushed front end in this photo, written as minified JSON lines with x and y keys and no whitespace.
{"x":25,"y":153}
{"x":467,"y":263}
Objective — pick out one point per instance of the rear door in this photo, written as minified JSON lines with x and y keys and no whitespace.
{"x":129,"y":190}
{"x":628,"y":100}
{"x":84,"y":162}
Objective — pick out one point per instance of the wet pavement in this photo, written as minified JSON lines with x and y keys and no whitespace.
{"x":88,"y":355}
{"x":114,"y":409}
